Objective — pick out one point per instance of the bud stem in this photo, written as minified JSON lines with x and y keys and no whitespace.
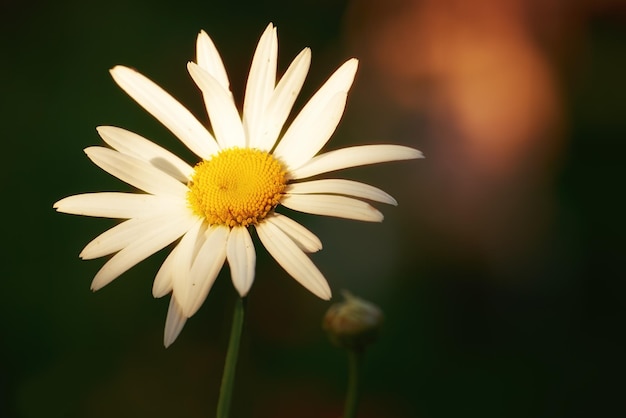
{"x":230,"y":365}
{"x":352,"y":394}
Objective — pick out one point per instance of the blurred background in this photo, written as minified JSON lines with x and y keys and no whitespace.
{"x":501,"y":272}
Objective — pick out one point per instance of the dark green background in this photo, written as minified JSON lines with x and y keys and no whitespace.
{"x":540,"y":336}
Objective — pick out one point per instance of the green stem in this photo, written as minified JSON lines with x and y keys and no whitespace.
{"x":352,"y":395}
{"x":230,"y":366}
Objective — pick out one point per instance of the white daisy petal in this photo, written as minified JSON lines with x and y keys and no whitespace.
{"x":167,"y":110}
{"x":164,"y":280}
{"x":115,"y":205}
{"x":306,"y":240}
{"x":174,"y":322}
{"x":186,"y":251}
{"x":204,"y":270}
{"x":163,"y":283}
{"x":140,"y":249}
{"x":340,"y":80}
{"x":260,"y":85}
{"x":122,"y":235}
{"x":282,"y":101}
{"x":130,"y":143}
{"x":114,"y":239}
{"x":293,"y":259}
{"x":312,"y":130}
{"x":209,"y":60}
{"x":241,"y":259}
{"x":331,"y":205}
{"x":341,"y":187}
{"x":223,"y":114}
{"x":317,"y":121}
{"x":353,"y":157}
{"x":136,"y":172}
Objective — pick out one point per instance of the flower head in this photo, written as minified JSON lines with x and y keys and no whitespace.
{"x":353,"y":323}
{"x":243,"y":173}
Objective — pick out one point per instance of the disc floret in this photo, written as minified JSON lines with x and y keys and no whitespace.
{"x":237,"y":187}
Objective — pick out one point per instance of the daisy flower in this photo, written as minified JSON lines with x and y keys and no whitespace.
{"x":245,"y":170}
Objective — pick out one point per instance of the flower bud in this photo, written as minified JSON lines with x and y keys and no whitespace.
{"x":353,"y":323}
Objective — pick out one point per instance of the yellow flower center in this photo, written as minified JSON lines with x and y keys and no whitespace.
{"x":237,"y":187}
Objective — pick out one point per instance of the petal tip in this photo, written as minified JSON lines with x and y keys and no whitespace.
{"x":117,"y":69}
{"x":326,"y":295}
{"x":170,"y":337}
{"x":90,"y":150}
{"x":243,"y":292}
{"x":413,"y":153}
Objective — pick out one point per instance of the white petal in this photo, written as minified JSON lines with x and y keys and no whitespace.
{"x":317,"y":121}
{"x":260,"y":85}
{"x":166,"y":110}
{"x":146,"y":245}
{"x":353,"y":157}
{"x":114,"y":204}
{"x":222,"y":111}
{"x":341,"y":187}
{"x":186,"y":252}
{"x":209,"y":59}
{"x":122,"y":235}
{"x":282,"y":101}
{"x":136,"y":172}
{"x":174,"y":322}
{"x":331,"y":205}
{"x":116,"y":238}
{"x":163,"y":284}
{"x":164,"y":280}
{"x":192,"y":291}
{"x":241,"y":259}
{"x":130,"y":143}
{"x":310,"y":131}
{"x":293,"y":260}
{"x":306,"y":240}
